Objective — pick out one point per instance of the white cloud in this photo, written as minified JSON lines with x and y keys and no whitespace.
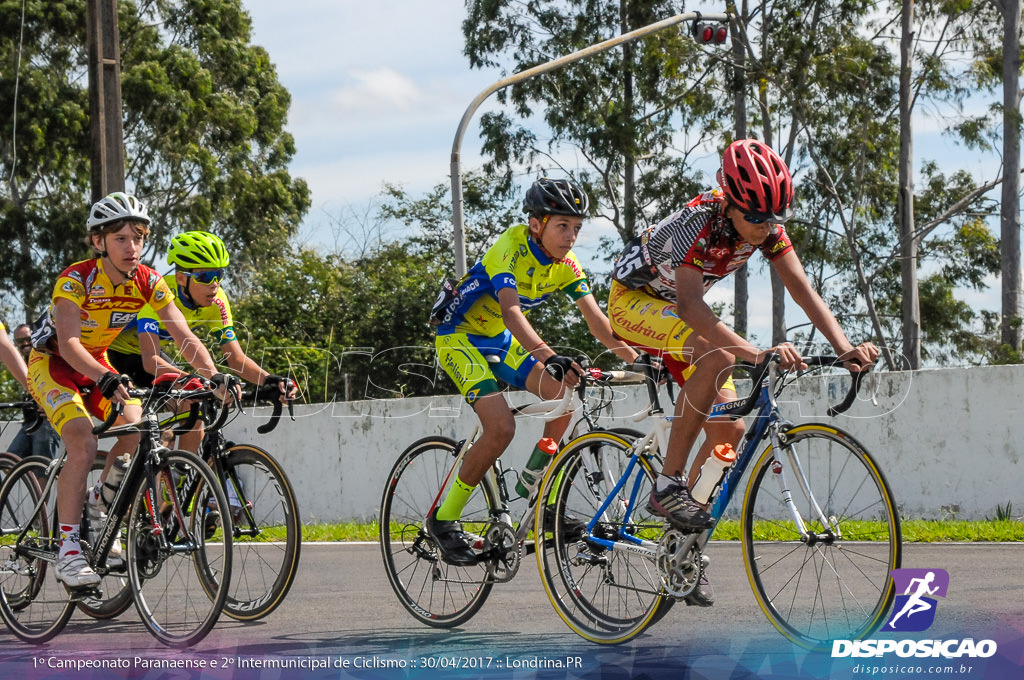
{"x":376,"y":91}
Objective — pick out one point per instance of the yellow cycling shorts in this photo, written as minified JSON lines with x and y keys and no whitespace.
{"x":57,"y":388}
{"x":652,"y":324}
{"x":465,"y":358}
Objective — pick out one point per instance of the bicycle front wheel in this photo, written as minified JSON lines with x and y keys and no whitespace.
{"x":833,"y":582}
{"x":434,"y":592}
{"x":605,"y":594}
{"x":35,"y":606}
{"x":267,"y":533}
{"x":169,"y":551}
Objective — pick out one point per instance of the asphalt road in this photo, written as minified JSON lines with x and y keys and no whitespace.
{"x":341,"y":608}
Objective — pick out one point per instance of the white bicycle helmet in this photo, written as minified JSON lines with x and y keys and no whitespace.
{"x":117,"y":207}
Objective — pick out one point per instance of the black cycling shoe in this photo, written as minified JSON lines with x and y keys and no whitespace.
{"x":572,"y":529}
{"x":454,"y":543}
{"x":701,"y":597}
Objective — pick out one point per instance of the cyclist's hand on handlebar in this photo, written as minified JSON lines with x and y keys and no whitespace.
{"x":114,"y":387}
{"x":860,"y":357}
{"x":289,"y":388}
{"x":789,"y":357}
{"x":563,"y":369}
{"x":227,"y":387}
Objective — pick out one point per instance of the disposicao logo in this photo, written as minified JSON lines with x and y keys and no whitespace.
{"x":914,"y":611}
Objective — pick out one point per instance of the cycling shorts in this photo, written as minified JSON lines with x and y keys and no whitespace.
{"x":57,"y":388}
{"x":652,"y":324}
{"x":464,"y":357}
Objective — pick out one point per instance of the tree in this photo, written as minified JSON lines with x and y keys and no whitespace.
{"x":204,"y":134}
{"x":619,"y":111}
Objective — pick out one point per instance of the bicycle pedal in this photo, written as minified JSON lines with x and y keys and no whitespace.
{"x":85,"y":593}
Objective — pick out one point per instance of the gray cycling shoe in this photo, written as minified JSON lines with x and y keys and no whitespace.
{"x":677,"y":506}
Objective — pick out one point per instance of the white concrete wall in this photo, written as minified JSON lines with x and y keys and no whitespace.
{"x":945,"y":439}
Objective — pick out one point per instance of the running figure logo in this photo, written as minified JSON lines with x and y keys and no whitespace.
{"x":914,"y":610}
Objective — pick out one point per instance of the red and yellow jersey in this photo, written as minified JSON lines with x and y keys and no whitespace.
{"x":105,"y":309}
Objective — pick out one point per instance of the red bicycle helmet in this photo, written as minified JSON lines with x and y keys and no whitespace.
{"x":756,"y":180}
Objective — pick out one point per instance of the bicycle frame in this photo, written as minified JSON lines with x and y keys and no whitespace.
{"x":767,"y":421}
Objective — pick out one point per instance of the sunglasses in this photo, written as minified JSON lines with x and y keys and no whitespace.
{"x":755,"y":218}
{"x":207,"y":277}
{"x":23,"y":342}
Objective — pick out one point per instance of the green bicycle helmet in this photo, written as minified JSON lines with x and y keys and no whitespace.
{"x":198,"y":250}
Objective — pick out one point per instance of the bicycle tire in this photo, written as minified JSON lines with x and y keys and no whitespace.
{"x":262,"y":570}
{"x":605,"y":596}
{"x":164,"y":555}
{"x":434,"y":592}
{"x":36,"y":607}
{"x":115,"y":588}
{"x":814,"y":594}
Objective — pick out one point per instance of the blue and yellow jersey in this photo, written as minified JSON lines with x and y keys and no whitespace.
{"x":214,"y":322}
{"x":514,"y":261}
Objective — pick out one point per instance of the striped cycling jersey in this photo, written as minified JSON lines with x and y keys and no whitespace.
{"x":105,"y":309}
{"x":214,"y":321}
{"x":697,"y":236}
{"x":514,"y":261}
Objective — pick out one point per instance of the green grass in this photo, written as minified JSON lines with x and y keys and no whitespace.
{"x":914,"y":531}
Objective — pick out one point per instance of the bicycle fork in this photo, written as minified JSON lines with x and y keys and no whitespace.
{"x":783,"y":472}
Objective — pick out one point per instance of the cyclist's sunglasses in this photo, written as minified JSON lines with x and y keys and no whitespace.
{"x":206,"y":277}
{"x":757,"y":218}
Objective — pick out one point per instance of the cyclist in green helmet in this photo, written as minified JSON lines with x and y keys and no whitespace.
{"x":142,"y":350}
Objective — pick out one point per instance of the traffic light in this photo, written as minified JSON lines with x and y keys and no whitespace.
{"x":708,"y":32}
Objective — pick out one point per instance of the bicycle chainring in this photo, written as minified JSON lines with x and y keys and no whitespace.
{"x":679,"y":563}
{"x":504,"y":552}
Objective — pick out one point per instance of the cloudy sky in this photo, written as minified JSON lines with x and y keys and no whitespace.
{"x":378,"y":89}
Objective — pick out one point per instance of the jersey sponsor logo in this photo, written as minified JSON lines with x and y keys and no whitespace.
{"x":159,"y":294}
{"x":699,"y":262}
{"x":97,"y":290}
{"x":55,"y":398}
{"x":777,"y":247}
{"x":150,"y":326}
{"x":73,"y":287}
{"x":121,"y":319}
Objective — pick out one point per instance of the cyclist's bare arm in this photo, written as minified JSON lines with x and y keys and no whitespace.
{"x":515,"y":321}
{"x":249,"y":370}
{"x":152,"y":361}
{"x":699,"y":316}
{"x":601,"y":329}
{"x":11,"y":357}
{"x":791,"y":272}
{"x":192,"y":350}
{"x":68,"y":322}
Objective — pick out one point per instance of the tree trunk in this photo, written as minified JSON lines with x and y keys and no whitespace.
{"x":911,"y":309}
{"x":740,"y":288}
{"x":1010,"y":327}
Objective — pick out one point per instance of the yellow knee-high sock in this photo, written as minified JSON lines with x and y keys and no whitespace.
{"x":458,"y":496}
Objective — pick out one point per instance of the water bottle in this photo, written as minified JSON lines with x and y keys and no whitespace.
{"x":539,"y":459}
{"x":114,"y":476}
{"x":721,"y":459}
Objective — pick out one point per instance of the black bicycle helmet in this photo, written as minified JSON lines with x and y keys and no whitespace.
{"x":556,"y":197}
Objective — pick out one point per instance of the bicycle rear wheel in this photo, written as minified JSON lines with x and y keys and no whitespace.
{"x":267,"y":533}
{"x":836,"y":586}
{"x":169,"y":552}
{"x":605,"y":595}
{"x":34,"y":605}
{"x":434,"y":592}
{"x":115,"y":590}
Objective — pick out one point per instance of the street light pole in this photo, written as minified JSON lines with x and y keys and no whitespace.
{"x":458,"y":220}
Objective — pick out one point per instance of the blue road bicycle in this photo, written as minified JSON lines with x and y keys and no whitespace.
{"x":819,"y":525}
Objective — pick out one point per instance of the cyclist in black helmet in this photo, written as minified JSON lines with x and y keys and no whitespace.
{"x":486,"y":316}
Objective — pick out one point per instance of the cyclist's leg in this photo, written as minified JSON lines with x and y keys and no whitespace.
{"x":718,"y":430}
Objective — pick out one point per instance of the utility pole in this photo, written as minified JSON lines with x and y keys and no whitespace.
{"x":106,"y":127}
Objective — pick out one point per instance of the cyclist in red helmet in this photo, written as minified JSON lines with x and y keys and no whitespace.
{"x":657,"y":304}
